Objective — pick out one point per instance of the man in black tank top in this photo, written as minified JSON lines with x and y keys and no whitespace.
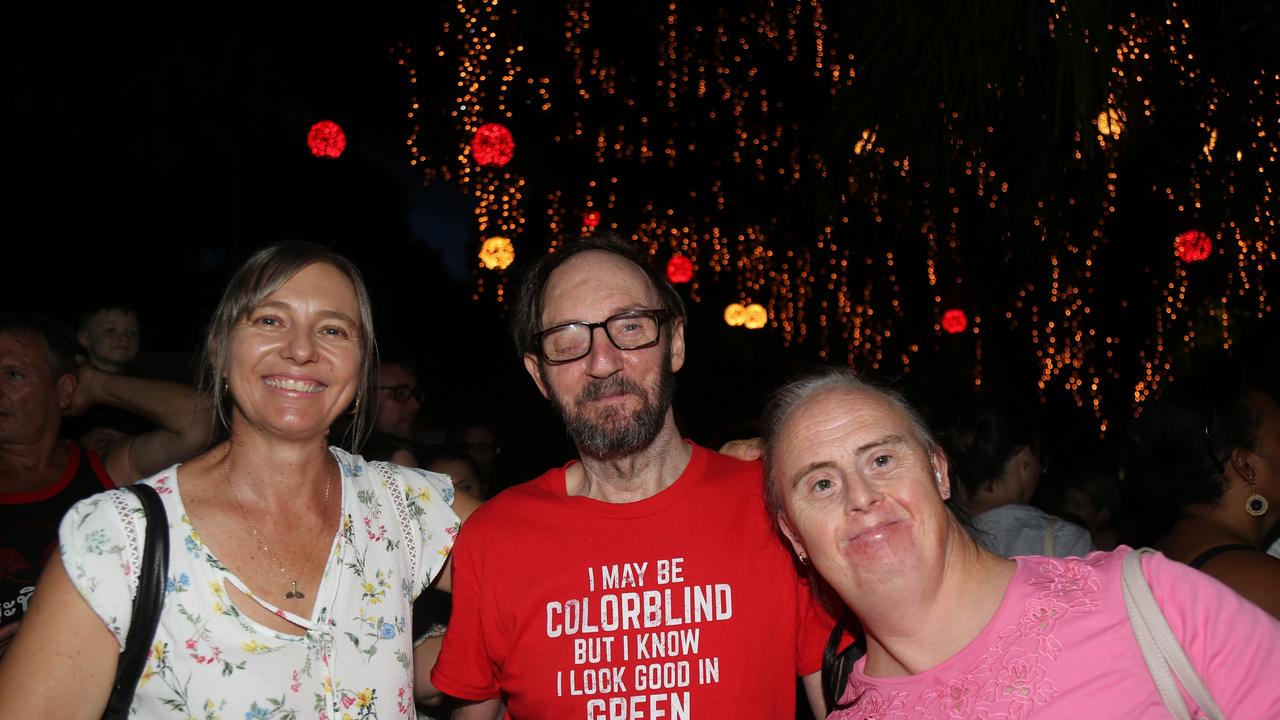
{"x":41,"y":474}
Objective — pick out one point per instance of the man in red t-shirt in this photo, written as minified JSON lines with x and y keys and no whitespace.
{"x":43,"y":474}
{"x":644,"y":580}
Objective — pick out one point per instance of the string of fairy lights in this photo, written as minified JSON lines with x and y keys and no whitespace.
{"x":661,"y":156}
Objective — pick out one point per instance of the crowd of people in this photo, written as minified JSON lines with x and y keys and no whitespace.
{"x":333,"y":555}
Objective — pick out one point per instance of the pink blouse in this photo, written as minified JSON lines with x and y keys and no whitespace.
{"x":1060,"y":646}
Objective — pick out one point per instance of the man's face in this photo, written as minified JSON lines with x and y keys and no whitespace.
{"x":31,"y":399}
{"x":613,"y":402}
{"x":111,"y":338}
{"x":396,"y":416}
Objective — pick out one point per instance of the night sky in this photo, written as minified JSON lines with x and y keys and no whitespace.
{"x":147,"y":155}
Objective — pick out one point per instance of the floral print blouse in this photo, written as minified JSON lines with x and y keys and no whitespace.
{"x":209,"y":661}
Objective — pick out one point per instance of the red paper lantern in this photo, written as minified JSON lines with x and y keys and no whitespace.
{"x":1192,"y":246}
{"x":954,"y":321}
{"x":679,"y":269}
{"x":590,"y":219}
{"x":325,"y":139}
{"x":492,"y":145}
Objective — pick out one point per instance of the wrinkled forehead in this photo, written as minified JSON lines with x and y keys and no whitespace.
{"x":320,"y":284}
{"x":847,"y":415}
{"x":24,"y":348}
{"x":595,"y":283}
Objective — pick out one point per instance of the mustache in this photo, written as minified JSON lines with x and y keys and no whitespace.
{"x":614,"y":385}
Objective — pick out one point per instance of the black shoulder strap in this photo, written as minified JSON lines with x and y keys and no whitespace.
{"x":1214,"y":552}
{"x":837,"y":664}
{"x":146,"y":603}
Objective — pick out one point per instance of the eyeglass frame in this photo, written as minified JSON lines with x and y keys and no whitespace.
{"x":405,"y":390}
{"x":659,"y":315}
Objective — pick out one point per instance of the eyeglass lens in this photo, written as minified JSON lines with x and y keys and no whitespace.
{"x":627,"y":331}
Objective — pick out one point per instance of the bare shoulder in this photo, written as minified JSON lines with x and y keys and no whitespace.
{"x":1255,"y":575}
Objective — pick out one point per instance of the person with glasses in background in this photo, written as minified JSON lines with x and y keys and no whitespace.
{"x":399,"y":398}
{"x":645,"y":578}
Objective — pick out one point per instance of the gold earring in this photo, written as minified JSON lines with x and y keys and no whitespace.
{"x":1255,"y":504}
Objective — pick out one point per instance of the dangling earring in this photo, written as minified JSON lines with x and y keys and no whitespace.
{"x":355,"y":409}
{"x":1255,"y":504}
{"x":804,"y":559}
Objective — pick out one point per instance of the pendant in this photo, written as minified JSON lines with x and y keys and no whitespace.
{"x":294,"y":593}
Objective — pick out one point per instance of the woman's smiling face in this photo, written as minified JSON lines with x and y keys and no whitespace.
{"x":862,"y":497}
{"x":295,"y":359}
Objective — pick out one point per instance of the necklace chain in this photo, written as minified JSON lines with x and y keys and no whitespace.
{"x":294,"y":592}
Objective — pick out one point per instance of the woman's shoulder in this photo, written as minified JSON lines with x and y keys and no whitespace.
{"x":1253,"y":574}
{"x":420,"y":487}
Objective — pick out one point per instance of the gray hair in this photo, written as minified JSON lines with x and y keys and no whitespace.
{"x":792,"y":395}
{"x":60,"y":349}
{"x":262,"y":274}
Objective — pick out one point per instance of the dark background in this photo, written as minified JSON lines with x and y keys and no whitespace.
{"x":149,"y":154}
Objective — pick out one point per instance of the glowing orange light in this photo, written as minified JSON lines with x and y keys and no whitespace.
{"x":497,"y":253}
{"x":735,"y":314}
{"x":1110,"y":123}
{"x":325,"y":139}
{"x":757,"y":317}
{"x":866,"y":143}
{"x":590,"y":219}
{"x":679,"y":269}
{"x":954,"y":321}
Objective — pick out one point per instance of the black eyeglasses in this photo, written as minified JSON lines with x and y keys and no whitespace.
{"x":631,"y":330}
{"x":402,"y":393}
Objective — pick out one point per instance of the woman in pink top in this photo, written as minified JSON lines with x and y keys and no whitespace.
{"x":861,"y":490}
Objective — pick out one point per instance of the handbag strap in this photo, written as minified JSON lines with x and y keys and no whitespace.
{"x":1160,"y":648}
{"x":147,"y":602}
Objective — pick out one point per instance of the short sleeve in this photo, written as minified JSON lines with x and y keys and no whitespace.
{"x":100,"y":544}
{"x":428,"y":505}
{"x":1071,"y":540}
{"x":466,"y":667}
{"x":1233,"y":644}
{"x":813,"y":629}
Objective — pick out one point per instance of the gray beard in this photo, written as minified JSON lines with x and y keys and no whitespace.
{"x":613,"y":435}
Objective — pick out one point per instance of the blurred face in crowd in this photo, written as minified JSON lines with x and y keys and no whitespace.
{"x":613,"y":402}
{"x":295,"y":359}
{"x":481,"y":445}
{"x":111,"y":339}
{"x":397,"y":401}
{"x":861,"y":496}
{"x":463,"y":474}
{"x":405,"y":458}
{"x":31,"y":398}
{"x":1078,"y":503}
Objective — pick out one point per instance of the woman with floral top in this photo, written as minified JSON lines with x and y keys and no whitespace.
{"x":293,"y":565}
{"x":861,"y":489}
